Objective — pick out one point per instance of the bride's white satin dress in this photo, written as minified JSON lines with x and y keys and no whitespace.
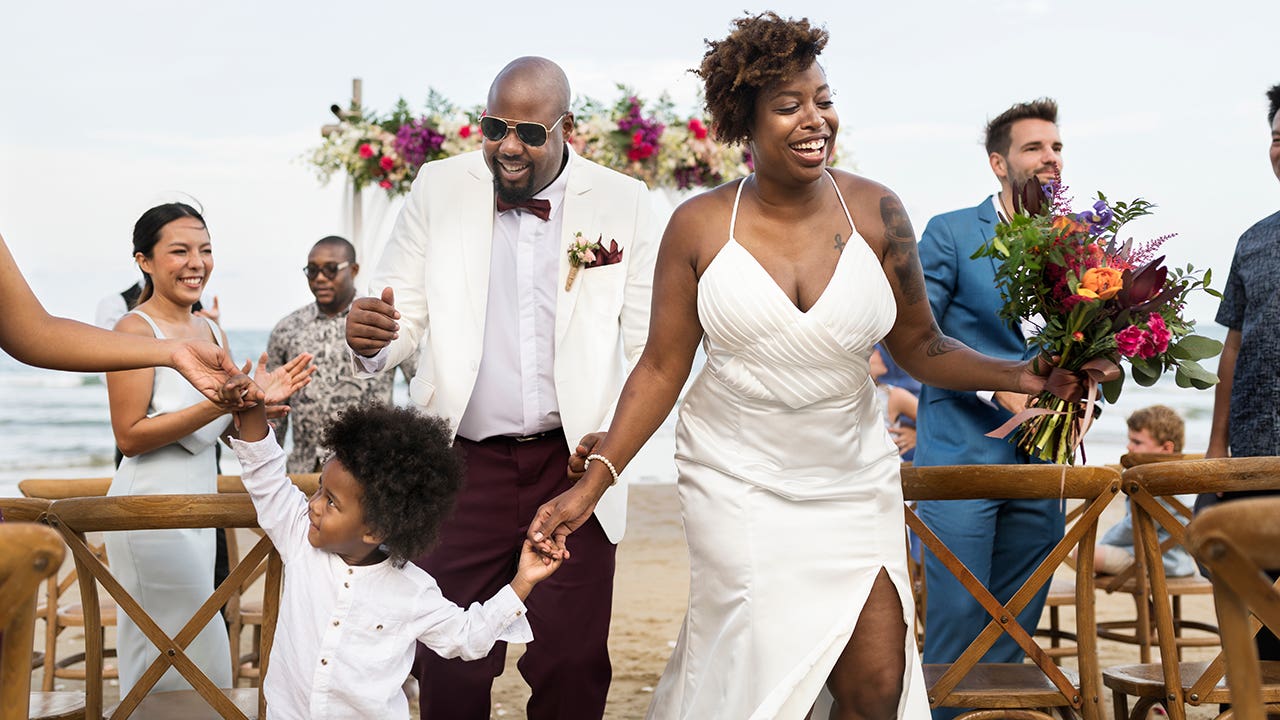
{"x":789,"y":489}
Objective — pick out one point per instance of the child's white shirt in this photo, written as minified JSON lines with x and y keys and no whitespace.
{"x":344,"y":642}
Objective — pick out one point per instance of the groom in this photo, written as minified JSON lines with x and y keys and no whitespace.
{"x":523,"y":361}
{"x":1001,"y":541}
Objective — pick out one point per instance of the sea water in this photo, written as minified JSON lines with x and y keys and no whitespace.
{"x":57,"y":424}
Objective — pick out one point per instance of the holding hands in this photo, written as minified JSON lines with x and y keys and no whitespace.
{"x":568,"y":511}
{"x":533,"y":569}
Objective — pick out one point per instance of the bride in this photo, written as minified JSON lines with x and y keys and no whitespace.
{"x":788,"y":479}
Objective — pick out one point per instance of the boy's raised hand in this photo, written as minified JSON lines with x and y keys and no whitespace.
{"x":533,"y":569}
{"x":251,"y":422}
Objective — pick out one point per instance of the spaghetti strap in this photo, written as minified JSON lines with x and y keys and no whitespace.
{"x":733,"y":219}
{"x":840,"y":197}
{"x":154,"y":327}
{"x":213,"y":326}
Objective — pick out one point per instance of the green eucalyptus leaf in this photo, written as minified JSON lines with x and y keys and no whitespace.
{"x":1199,"y":377}
{"x":1197,"y":347}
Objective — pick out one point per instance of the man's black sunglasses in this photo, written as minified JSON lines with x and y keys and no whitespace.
{"x":530,"y":133}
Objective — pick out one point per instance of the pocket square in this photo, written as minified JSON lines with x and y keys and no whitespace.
{"x":606,"y":257}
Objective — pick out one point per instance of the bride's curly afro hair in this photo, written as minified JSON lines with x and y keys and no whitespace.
{"x":408,"y":472}
{"x":760,"y":50}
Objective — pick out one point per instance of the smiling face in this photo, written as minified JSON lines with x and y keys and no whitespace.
{"x":337,"y":517}
{"x":1035,"y":150}
{"x":794,"y":127}
{"x":332,"y":294}
{"x":181,"y":261}
{"x":528,"y":90}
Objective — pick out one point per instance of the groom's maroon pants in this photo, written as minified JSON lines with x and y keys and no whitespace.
{"x":567,"y":665}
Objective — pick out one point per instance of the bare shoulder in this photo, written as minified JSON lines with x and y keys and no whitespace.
{"x":699,"y":227}
{"x":134,"y":325}
{"x":877,"y":211}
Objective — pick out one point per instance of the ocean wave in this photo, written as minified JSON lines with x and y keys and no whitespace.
{"x":48,"y":379}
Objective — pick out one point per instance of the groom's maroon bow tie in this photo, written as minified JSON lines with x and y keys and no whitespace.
{"x":537,"y":206}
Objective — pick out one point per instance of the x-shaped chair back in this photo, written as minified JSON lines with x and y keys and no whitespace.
{"x":1237,"y":541}
{"x":73,"y":518}
{"x":1003,"y":686}
{"x":1186,"y":683}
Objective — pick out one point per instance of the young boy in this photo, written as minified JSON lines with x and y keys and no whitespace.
{"x":352,"y":606}
{"x":1155,"y":429}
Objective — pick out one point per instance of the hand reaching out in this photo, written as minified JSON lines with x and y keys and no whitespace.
{"x":285,"y":380}
{"x":207,"y":367}
{"x":212,"y":312}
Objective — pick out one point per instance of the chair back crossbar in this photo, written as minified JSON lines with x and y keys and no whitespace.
{"x":1050,"y":686}
{"x":1172,"y":683}
{"x":73,"y":518}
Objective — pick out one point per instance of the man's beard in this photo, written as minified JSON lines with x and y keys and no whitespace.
{"x":510,"y":194}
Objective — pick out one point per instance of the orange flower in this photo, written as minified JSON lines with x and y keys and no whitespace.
{"x":1104,"y":281}
{"x":1067,"y":225}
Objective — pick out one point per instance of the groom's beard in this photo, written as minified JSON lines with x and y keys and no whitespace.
{"x":511,"y":194}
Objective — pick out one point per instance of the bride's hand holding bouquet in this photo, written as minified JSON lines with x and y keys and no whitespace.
{"x":1097,"y":301}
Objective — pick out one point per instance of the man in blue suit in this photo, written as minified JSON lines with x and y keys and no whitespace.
{"x":1001,"y":541}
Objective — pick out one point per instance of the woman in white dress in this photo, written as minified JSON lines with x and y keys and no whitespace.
{"x":788,"y":480}
{"x":167,"y":431}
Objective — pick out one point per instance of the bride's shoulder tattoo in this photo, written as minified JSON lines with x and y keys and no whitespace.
{"x":900,"y":249}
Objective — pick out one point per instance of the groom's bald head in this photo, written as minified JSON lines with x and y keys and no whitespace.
{"x":528,"y":89}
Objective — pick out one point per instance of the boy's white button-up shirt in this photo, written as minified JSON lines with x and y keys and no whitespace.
{"x":345,"y":638}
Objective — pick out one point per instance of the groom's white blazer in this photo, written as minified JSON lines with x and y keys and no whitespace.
{"x":437,"y":260}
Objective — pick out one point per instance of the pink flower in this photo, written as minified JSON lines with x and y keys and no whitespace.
{"x":1077,"y":336}
{"x":588,"y":256}
{"x":1130,"y":341}
{"x":384,"y":184}
{"x":366,"y":151}
{"x":464,"y":132}
{"x":1160,"y":335}
{"x":386,"y":163}
{"x":697,"y":128}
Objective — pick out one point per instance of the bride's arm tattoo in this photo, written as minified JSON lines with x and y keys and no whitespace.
{"x":900,"y":249}
{"x":940,"y":344}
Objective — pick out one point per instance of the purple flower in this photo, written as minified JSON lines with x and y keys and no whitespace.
{"x":417,"y":141}
{"x":1098,"y":219}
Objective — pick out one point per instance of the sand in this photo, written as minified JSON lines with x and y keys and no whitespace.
{"x":650,"y":598}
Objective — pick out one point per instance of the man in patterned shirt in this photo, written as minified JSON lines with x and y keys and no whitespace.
{"x":320,"y":328}
{"x":1246,"y":421}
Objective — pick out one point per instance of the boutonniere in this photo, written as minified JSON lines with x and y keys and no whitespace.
{"x":581,"y":252}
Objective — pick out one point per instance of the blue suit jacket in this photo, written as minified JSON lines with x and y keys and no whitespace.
{"x":951,"y":426}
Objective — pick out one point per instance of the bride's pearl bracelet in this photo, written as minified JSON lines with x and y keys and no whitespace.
{"x":612,"y":470}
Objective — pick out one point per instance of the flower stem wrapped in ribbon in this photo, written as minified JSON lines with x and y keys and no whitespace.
{"x":581,"y":252}
{"x":1097,"y":301}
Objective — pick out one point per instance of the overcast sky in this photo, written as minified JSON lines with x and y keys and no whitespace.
{"x":109,"y":108}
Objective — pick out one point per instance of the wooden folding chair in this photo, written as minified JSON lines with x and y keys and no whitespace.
{"x":1237,"y":541}
{"x":57,"y":612}
{"x":75,"y":517}
{"x":1018,"y":690}
{"x":1172,"y":683}
{"x":29,"y":553}
{"x":1133,"y":582}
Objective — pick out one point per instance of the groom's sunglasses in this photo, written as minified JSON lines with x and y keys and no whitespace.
{"x":530,"y":133}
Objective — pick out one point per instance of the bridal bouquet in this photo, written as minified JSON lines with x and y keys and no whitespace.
{"x":1097,"y":301}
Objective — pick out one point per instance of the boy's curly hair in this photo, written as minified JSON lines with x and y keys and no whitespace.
{"x":408,"y":473}
{"x":760,"y":50}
